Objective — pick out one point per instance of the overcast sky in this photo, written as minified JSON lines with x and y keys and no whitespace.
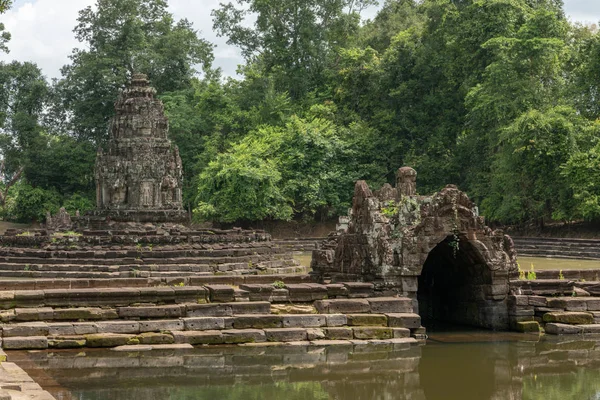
{"x":42,"y":29}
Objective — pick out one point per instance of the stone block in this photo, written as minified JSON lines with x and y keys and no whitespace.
{"x":404,"y":320}
{"x":258,"y":291}
{"x":590,"y":328}
{"x":331,"y":343}
{"x":537,"y":301}
{"x":29,"y":298}
{"x":305,"y":292}
{"x":336,"y":290}
{"x":66,"y":343}
{"x":285,"y":334}
{"x":568,"y":303}
{"x":593,"y":304}
{"x":562,"y":329}
{"x":359,"y":289}
{"x":372,"y":332}
{"x":25,"y":343}
{"x":84,"y":313}
{"x":304,"y":321}
{"x":221,"y":293}
{"x":251,"y":307}
{"x":170,"y":311}
{"x":231,"y":336}
{"x":155,"y":338}
{"x":118,"y":327}
{"x":342,"y":306}
{"x":198,"y":337}
{"x":336,"y":319}
{"x":257,"y":321}
{"x":109,"y":340}
{"x":161,"y":326}
{"x":400,"y":333}
{"x":390,"y":305}
{"x":33,"y":314}
{"x":573,"y":318}
{"x":84,"y":328}
{"x":522,"y":312}
{"x":527,"y":326}
{"x":209,"y":310}
{"x":25,"y":329}
{"x":315,"y":334}
{"x":518,"y":300}
{"x":60,"y":329}
{"x":190,"y":294}
{"x":203,"y":323}
{"x":367,"y":320}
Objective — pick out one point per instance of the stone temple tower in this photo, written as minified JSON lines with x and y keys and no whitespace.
{"x":139,"y":178}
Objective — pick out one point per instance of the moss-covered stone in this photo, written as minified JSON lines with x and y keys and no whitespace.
{"x":367,"y":320}
{"x":527,"y":326}
{"x":372,"y":332}
{"x":155,"y":338}
{"x":108,"y":340}
{"x":569,"y":317}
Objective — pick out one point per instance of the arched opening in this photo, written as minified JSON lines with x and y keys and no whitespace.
{"x":452,"y":285}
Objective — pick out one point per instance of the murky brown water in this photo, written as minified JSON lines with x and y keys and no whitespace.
{"x":462,"y":365}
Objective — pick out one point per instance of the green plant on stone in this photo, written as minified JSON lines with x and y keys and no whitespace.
{"x":390,"y":209}
{"x":27,"y":267}
{"x":149,"y":246}
{"x":278,"y":284}
{"x":531,"y":275}
{"x":26,"y":233}
{"x":521,"y":272}
{"x":560,"y":275}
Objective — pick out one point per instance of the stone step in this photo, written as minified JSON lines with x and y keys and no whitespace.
{"x":17,"y":262}
{"x":65,"y":322}
{"x":374,"y":305}
{"x":135,"y":272}
{"x":306,"y":336}
{"x":351,"y":299}
{"x":569,"y":329}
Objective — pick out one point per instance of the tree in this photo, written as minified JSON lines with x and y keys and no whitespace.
{"x":23,"y":91}
{"x":294,"y":40}
{"x":304,"y":169}
{"x":4,"y":36}
{"x":122,"y":37}
{"x":520,"y":106}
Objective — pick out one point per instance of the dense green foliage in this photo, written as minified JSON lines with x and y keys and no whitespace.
{"x":496,"y":96}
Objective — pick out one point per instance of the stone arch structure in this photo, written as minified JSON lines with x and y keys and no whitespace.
{"x":392,"y":235}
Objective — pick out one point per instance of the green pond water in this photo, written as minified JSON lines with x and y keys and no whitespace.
{"x":539,"y":263}
{"x":463,"y":365}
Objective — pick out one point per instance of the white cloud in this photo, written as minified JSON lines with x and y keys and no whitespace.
{"x":42,"y":30}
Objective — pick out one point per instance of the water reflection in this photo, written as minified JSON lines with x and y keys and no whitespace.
{"x":495,"y":366}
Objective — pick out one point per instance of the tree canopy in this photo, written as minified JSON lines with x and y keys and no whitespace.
{"x":498,"y":97}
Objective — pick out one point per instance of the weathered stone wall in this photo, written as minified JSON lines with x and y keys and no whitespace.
{"x":390,"y":234}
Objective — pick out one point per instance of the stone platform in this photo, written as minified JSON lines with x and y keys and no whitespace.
{"x":156,"y":251}
{"x":118,"y":312}
{"x":569,"y":248}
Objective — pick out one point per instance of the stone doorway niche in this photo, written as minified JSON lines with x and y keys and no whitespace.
{"x":453,"y":284}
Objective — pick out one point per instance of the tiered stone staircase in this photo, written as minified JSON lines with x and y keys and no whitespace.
{"x":118,"y":312}
{"x":141,"y":253}
{"x":558,"y":306}
{"x":586,"y":249}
